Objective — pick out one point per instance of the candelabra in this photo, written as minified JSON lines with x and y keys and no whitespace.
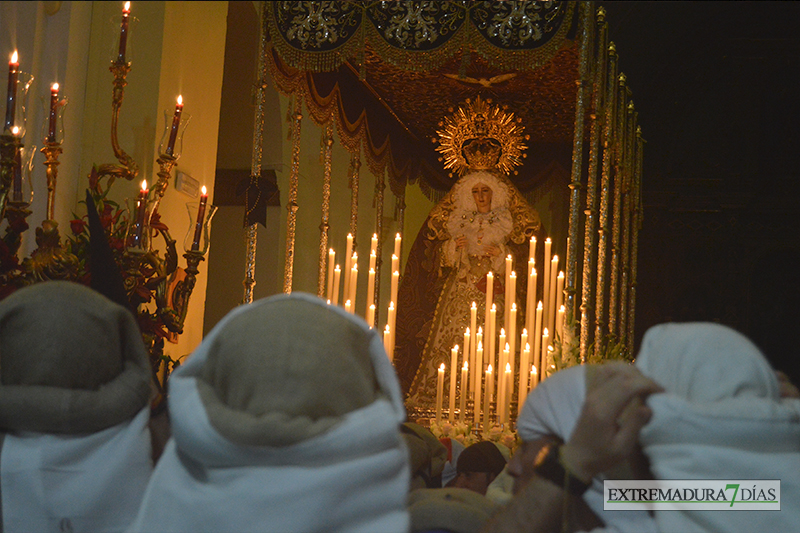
{"x":148,"y":275}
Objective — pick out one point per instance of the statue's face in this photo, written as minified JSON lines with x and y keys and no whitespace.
{"x":483,"y":197}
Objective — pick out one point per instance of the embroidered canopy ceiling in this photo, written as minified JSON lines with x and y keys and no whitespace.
{"x":388,"y":72}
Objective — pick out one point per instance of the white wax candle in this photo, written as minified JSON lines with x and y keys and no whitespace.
{"x":353,"y":286}
{"x":395,"y":263}
{"x":501,"y":386}
{"x":394,"y":286}
{"x":387,"y":339}
{"x":463,"y":400}
{"x":347,"y":305}
{"x":337,"y":274}
{"x":487,"y":310}
{"x":439,"y":393}
{"x":371,"y":316}
{"x":348,"y":264}
{"x":532,"y":249}
{"x":390,"y":321}
{"x":507,"y":379}
{"x":331,"y":266}
{"x":370,"y":292}
{"x":397,"y":240}
{"x":476,"y":415}
{"x":467,"y":344}
{"x":560,"y":326}
{"x":546,"y":279}
{"x":373,"y":259}
{"x":473,"y":327}
{"x":534,"y":379}
{"x":453,"y":372}
{"x":502,"y":346}
{"x":507,"y":299}
{"x":512,"y":335}
{"x":491,"y":336}
{"x":374,"y":244}
{"x":522,"y":386}
{"x":550,"y":311}
{"x":537,"y":337}
{"x":545,"y":365}
{"x":530,"y":298}
{"x":487,"y":403}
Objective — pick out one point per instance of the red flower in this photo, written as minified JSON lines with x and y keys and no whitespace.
{"x":77,"y":225}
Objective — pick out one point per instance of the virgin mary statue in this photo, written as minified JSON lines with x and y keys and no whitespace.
{"x":480,"y":222}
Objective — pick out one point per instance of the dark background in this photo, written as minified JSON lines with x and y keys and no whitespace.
{"x":716,"y":86}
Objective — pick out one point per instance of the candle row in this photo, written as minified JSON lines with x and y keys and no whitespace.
{"x":350,"y":285}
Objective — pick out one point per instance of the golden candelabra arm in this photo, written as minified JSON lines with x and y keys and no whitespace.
{"x":51,"y":152}
{"x":129,"y":170}
{"x":166,"y":163}
{"x":9,"y":144}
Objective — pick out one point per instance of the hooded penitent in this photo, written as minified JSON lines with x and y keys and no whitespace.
{"x":286,"y":418}
{"x":552,"y":409}
{"x":74,"y":407}
{"x":721,"y":417}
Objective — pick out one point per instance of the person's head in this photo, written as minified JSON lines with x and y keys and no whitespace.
{"x":483,"y":197}
{"x":480,"y":191}
{"x":478,"y":465}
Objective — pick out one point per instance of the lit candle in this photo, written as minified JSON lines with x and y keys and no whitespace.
{"x":467,"y":343}
{"x":347,"y":306}
{"x":374,"y":243}
{"x":51,"y":129}
{"x":439,"y":392}
{"x":373,"y":259}
{"x":507,"y":400}
{"x":176,"y":122}
{"x":394,"y":285}
{"x":353,"y":286}
{"x":13,"y":78}
{"x":550,"y":312}
{"x":370,"y":291}
{"x":512,"y":293}
{"x":532,"y":250}
{"x":546,"y":279}
{"x":522,"y":386}
{"x":395,"y":263}
{"x":397,"y":240}
{"x":502,"y":394}
{"x":490,"y":334}
{"x":545,"y":352}
{"x":201,"y":213}
{"x":477,"y":385}
{"x":473,"y":326}
{"x":537,"y":337}
{"x":560,"y":290}
{"x":371,"y":316}
{"x":16,"y":193}
{"x":453,"y":367}
{"x":387,"y":340}
{"x":551,"y":363}
{"x":502,"y":345}
{"x":337,"y":274}
{"x":507,"y":302}
{"x":141,"y":212}
{"x":331,"y":264}
{"x":489,"y":294}
{"x":560,"y":325}
{"x":463,"y":401}
{"x":512,"y":335}
{"x":123,"y":32}
{"x":390,"y":320}
{"x":487,"y":403}
{"x":348,"y":258}
{"x":534,"y":379}
{"x":530,"y":298}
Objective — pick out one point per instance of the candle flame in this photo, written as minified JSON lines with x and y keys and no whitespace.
{"x":480,"y":346}
{"x":474,"y":306}
{"x":15,"y":130}
{"x":55,"y":87}
{"x":14,"y":57}
{"x":144,"y":185}
{"x":494,"y":307}
{"x":127,"y":8}
{"x":480,"y":330}
{"x":203,"y":190}
{"x":180,"y":100}
{"x":466,"y":332}
{"x":533,"y":370}
{"x":545,"y":332}
{"x":527,"y":347}
{"x":489,"y":369}
{"x":560,"y":274}
{"x":539,"y":306}
{"x":508,"y":367}
{"x":533,"y":239}
{"x":372,"y":306}
{"x":455,"y":348}
{"x":336,"y":268}
{"x":441,"y":367}
{"x":547,"y":240}
{"x":514,"y":307}
{"x":397,"y":236}
{"x":555,"y":259}
{"x":502,"y":332}
{"x":466,"y":366}
{"x":562,"y":309}
{"x":372,"y":271}
{"x":525,"y":331}
{"x":391,"y":305}
{"x":507,"y":348}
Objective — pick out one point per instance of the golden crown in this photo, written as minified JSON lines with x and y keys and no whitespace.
{"x":481,"y":136}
